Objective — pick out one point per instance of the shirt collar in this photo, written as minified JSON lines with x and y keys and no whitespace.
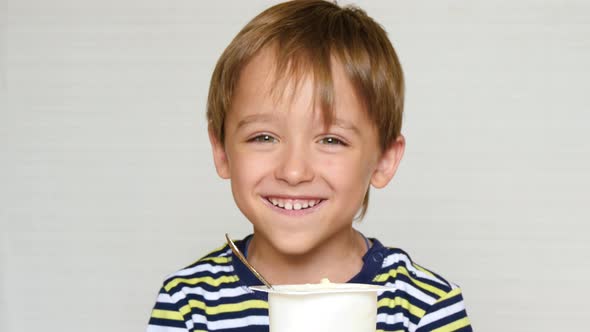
{"x":372,"y":263}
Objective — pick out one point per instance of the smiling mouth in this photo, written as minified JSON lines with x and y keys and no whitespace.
{"x":293,"y":204}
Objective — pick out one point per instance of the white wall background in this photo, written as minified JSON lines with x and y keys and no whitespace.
{"x":107,"y":184}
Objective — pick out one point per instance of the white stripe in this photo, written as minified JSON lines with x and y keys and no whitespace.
{"x":155,"y":328}
{"x":412,"y":291}
{"x":237,"y":322}
{"x":394,"y":319}
{"x":441,"y":313}
{"x":204,"y":267}
{"x":216,"y":325}
{"x":213,"y":296}
{"x":210,"y":296}
{"x":198,"y":319}
{"x":226,"y":253}
{"x":394,"y":258}
{"x":165,"y":298}
{"x":174,"y":298}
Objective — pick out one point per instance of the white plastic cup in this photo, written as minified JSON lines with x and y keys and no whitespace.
{"x":322,"y":307}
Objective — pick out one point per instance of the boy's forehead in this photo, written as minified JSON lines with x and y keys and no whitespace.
{"x":261,"y":89}
{"x":260,"y":75}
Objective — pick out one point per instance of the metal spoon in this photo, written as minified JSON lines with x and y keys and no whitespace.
{"x":239,"y":254}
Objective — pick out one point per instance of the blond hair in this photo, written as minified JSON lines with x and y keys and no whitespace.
{"x":306,"y":35}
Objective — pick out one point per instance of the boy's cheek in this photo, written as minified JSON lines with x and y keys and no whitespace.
{"x":341,"y":164}
{"x":249,"y":169}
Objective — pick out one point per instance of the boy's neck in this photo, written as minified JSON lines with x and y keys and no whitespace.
{"x":338,"y":259}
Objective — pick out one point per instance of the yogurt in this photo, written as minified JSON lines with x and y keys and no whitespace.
{"x":322,"y":307}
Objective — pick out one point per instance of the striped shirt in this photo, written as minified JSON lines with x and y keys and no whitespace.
{"x":212,"y":294}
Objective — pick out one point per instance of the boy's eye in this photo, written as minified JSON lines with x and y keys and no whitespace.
{"x":332,"y":141}
{"x":263,"y":139}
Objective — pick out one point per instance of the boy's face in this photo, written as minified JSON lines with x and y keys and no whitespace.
{"x":299,"y":184}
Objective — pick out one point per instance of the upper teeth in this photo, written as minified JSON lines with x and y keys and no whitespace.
{"x":290,"y":204}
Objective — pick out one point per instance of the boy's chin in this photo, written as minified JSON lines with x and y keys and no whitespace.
{"x":289,"y":244}
{"x":296,"y":249}
{"x":294,"y":245}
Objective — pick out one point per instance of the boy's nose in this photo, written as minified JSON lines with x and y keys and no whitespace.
{"x":294,"y":166}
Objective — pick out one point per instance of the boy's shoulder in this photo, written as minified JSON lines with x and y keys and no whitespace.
{"x":207,"y":295}
{"x":206,"y":272}
{"x":402,"y":272}
{"x":429,"y":301}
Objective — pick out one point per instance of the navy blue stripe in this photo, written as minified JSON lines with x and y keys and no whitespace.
{"x":205,"y":286}
{"x":442,"y":322}
{"x":206,"y":273}
{"x":238,"y":314}
{"x":231,"y":300}
{"x":446,"y":302}
{"x":167,"y":322}
{"x":167,"y":306}
{"x":200,"y":327}
{"x":444,"y":287}
{"x":404,"y":295}
{"x":409,"y":281}
{"x":391,"y":327}
{"x":399,"y":309}
{"x":250,"y":328}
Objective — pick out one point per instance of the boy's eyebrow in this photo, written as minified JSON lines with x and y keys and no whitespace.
{"x":258,"y":117}
{"x":346,"y":125}
{"x":265,"y":117}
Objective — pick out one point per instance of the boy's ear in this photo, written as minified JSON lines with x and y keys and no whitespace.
{"x":388,"y":163}
{"x":219,"y":155}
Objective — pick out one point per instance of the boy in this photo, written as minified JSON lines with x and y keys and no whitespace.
{"x":304,"y":111}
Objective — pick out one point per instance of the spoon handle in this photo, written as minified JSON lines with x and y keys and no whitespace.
{"x":241,"y":257}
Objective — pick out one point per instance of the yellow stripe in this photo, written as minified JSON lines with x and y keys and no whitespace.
{"x":221,"y":248}
{"x":453,"y":326}
{"x":402,"y":270}
{"x":450,"y":294}
{"x":167,"y":314}
{"x":251,"y":304}
{"x":385,"y":276}
{"x":404,"y":303}
{"x":202,"y":280}
{"x":223,"y":308}
{"x":218,"y":260}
